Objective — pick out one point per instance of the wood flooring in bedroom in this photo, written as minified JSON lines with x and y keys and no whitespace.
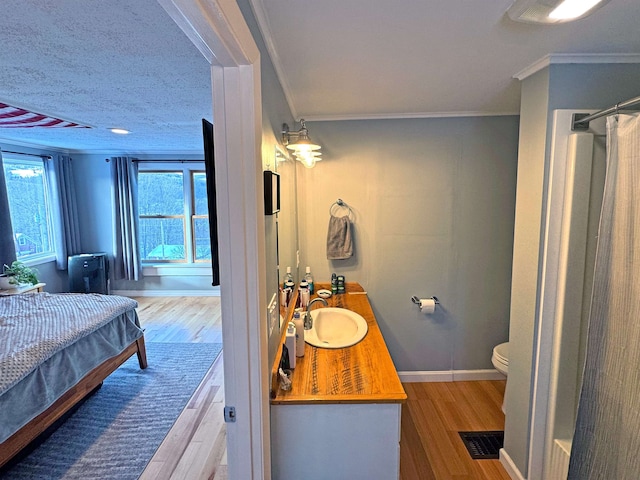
{"x":195,"y":447}
{"x":430,"y":448}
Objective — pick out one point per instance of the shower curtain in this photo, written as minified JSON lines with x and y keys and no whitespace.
{"x":606,"y":443}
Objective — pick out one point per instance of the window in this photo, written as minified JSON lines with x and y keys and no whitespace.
{"x":29,"y":208}
{"x":174,"y":220}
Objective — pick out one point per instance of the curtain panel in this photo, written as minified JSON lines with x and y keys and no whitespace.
{"x":64,"y":208}
{"x":7,"y":244}
{"x":127,"y":262}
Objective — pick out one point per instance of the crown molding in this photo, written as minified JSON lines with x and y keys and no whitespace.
{"x":142,"y":153}
{"x":400,"y":116}
{"x":570,"y":58}
{"x":4,"y":143}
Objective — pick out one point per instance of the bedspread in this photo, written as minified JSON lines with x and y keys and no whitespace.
{"x":33,"y":327}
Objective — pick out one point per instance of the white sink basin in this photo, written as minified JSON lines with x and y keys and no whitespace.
{"x":335,"y":328}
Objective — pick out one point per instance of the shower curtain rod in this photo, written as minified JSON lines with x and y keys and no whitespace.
{"x":27,"y":154}
{"x":581,"y":120}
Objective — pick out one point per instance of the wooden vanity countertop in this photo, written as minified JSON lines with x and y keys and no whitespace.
{"x":362,"y":373}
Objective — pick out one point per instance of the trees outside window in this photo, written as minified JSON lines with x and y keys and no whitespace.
{"x":29,"y":207}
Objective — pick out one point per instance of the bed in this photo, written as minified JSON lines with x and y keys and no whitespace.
{"x":54,"y":350}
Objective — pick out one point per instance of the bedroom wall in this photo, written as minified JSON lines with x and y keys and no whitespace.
{"x":433,"y":201}
{"x":92,"y":176}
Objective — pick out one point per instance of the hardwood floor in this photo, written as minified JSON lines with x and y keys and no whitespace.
{"x":180,"y":319}
{"x":196,"y":445}
{"x":430,"y":447}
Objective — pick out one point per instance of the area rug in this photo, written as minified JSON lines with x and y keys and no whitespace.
{"x":114,"y":434}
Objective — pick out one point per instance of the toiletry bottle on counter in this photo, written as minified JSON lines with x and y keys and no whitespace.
{"x":304,"y":294}
{"x":341,"y":283}
{"x":290,"y":343}
{"x":309,"y":278}
{"x":287,"y":278}
{"x":299,"y":323}
{"x":334,"y":283}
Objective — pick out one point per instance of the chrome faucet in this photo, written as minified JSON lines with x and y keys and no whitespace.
{"x":308,"y":320}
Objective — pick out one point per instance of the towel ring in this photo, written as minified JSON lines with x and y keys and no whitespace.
{"x":340,"y":204}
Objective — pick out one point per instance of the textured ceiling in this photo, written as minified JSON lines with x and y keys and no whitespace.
{"x":115,"y":63}
{"x":124,"y":63}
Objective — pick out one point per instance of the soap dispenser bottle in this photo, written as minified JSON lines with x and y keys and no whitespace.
{"x":299,"y":323}
{"x":290,"y":342}
{"x":304,"y":294}
{"x":309,"y":278}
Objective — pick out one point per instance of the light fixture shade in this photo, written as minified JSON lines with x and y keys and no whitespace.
{"x":539,"y":11}
{"x":308,"y":162}
{"x":309,"y":158}
{"x":299,"y":142}
{"x":303,"y":144}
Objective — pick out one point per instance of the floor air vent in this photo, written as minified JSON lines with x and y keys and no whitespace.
{"x":483,"y":445}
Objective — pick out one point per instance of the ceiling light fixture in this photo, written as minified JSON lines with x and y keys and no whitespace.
{"x":299,"y":142}
{"x":552,"y":11}
{"x":571,"y":9}
{"x":120,"y":131}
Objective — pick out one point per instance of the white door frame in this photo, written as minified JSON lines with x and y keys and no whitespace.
{"x":218,"y":29}
{"x":543,"y":395}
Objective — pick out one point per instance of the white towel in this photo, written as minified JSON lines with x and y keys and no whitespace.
{"x":339,"y":244}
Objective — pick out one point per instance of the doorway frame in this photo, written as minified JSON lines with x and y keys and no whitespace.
{"x":218,"y":29}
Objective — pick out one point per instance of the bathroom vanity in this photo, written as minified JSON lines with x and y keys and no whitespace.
{"x":341,"y":418}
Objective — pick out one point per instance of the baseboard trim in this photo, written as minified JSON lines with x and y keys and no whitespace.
{"x":509,"y":466}
{"x":449,"y":375}
{"x":214,"y":292}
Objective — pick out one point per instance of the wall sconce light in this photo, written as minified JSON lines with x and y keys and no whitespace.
{"x":301,"y":145}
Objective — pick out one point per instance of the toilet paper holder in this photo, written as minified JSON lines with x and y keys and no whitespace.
{"x":415,"y":299}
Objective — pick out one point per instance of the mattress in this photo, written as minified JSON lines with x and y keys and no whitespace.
{"x":49,"y":342}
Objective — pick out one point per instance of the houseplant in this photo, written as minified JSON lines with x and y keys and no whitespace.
{"x":18,"y":274}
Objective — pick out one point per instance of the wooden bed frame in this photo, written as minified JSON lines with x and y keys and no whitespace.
{"x":10,"y":447}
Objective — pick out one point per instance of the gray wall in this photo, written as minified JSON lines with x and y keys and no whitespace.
{"x":434,"y":208}
{"x":557,"y":87}
{"x":92,"y":175}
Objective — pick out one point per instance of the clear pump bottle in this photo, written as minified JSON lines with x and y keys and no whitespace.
{"x":309,"y":278}
{"x":288,"y":278}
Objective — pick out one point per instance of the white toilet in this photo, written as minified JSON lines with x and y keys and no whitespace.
{"x":500,"y":360}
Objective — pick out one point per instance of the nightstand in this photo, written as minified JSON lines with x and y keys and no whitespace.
{"x":38,"y":287}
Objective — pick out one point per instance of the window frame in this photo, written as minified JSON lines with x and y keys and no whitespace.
{"x":36,"y":160}
{"x":195,"y":216}
{"x":187,"y":169}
